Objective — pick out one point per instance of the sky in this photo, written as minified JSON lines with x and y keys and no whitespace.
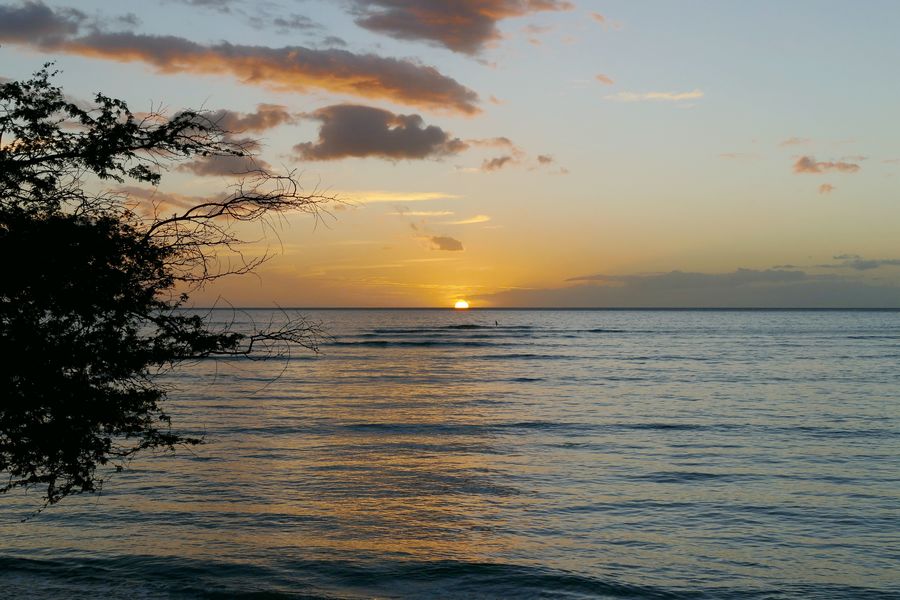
{"x":526,"y":152}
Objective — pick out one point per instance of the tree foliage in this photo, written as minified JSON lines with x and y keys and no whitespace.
{"x":94,"y":281}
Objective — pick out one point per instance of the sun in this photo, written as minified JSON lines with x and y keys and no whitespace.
{"x":461,"y":305}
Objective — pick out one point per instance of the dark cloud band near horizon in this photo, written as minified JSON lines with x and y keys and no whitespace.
{"x":289,"y":68}
{"x":743,"y":288}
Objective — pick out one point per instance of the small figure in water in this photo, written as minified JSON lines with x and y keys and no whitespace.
{"x":496,"y":324}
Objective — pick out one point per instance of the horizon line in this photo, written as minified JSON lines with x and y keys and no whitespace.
{"x":562,"y":308}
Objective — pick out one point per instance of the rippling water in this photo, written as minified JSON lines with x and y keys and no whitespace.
{"x":509,"y":454}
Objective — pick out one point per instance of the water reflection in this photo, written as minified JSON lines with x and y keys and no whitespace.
{"x":676,"y":452}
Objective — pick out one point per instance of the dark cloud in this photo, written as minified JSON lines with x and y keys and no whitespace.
{"x":225,"y":166}
{"x":128,"y":20}
{"x":858,"y":263}
{"x":448,"y":244}
{"x":291,"y":68}
{"x":808,"y":164}
{"x":545,"y":159}
{"x":681,"y":279}
{"x":267,"y":116}
{"x":353,"y":130}
{"x":744,"y":288}
{"x":333,"y":40}
{"x":461,"y":25}
{"x":35,"y":22}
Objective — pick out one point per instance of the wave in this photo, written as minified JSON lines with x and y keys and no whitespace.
{"x":415,"y":343}
{"x":523,"y":356}
{"x":115,"y":577}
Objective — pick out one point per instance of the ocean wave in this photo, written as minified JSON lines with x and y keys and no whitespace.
{"x":142,"y":576}
{"x":416,"y":343}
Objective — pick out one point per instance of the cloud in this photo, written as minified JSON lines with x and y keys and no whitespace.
{"x":795,"y":141}
{"x":351,"y":130}
{"x":465,"y":26}
{"x":151,"y":200}
{"x":679,"y":279}
{"x":36,"y":22}
{"x":604,"y":79}
{"x":655,"y":96}
{"x":738,"y":156}
{"x":808,"y":164}
{"x":291,"y":23}
{"x":445,"y":243}
{"x":545,"y":159}
{"x":259,"y":16}
{"x":422,"y":213}
{"x":470,"y":221}
{"x":494,"y":142}
{"x":514,"y":154}
{"x":223,"y":6}
{"x":497,"y":163}
{"x":748,"y":288}
{"x":225,"y":166}
{"x":858,"y":263}
{"x":378,"y":196}
{"x":598,"y":17}
{"x":267,"y":116}
{"x":290,"y":68}
{"x":826,"y":188}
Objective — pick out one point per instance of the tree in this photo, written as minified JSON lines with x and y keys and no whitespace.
{"x":94,"y":282}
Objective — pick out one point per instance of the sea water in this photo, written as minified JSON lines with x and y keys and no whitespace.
{"x":506,"y":454}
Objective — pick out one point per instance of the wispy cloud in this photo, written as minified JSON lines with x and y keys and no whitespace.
{"x":655,"y":96}
{"x":794,"y":141}
{"x":469,"y":221}
{"x":604,"y":79}
{"x":858,"y":263}
{"x":422,"y":213}
{"x":826,"y":188}
{"x":380,"y":196}
{"x":496,"y":163}
{"x":809,"y":165}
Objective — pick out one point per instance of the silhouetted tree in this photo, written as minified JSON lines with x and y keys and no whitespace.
{"x":92,"y":281}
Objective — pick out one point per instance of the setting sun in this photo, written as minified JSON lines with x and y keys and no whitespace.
{"x":461,"y":305}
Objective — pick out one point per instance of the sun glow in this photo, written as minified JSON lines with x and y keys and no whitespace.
{"x":461,"y":305}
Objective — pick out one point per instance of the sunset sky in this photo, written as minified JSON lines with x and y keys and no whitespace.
{"x":528,"y":152}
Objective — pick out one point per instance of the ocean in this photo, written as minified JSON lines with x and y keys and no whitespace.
{"x":506,"y":454}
